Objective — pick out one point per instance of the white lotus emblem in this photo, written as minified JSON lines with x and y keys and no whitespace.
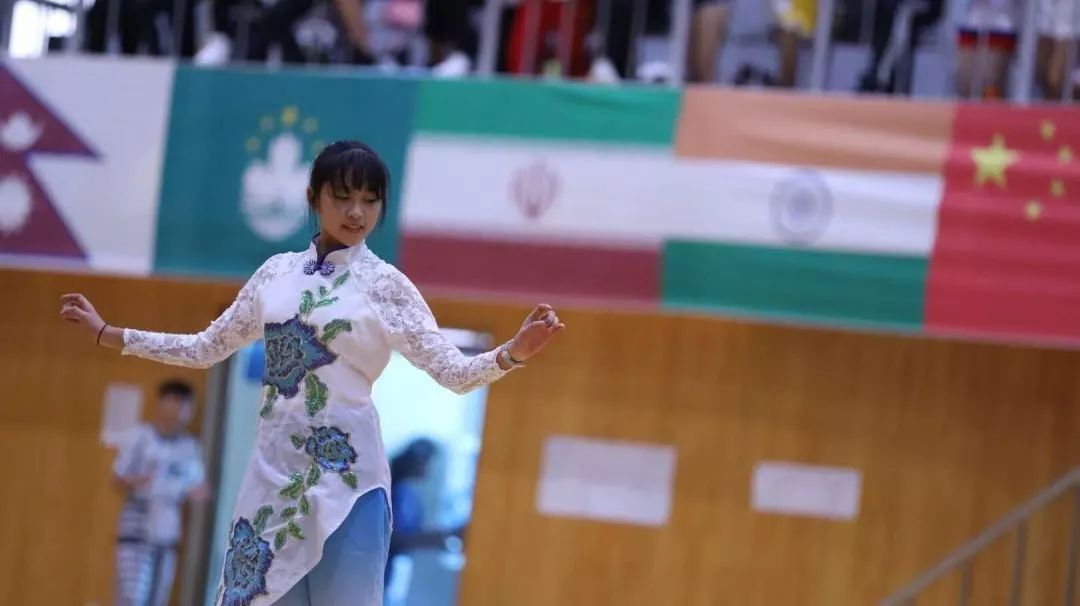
{"x":273,"y":202}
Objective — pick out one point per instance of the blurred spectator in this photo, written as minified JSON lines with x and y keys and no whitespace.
{"x":141,"y":26}
{"x":1059,"y":26}
{"x":898,"y":27}
{"x":987,"y":42}
{"x":408,"y":470}
{"x":452,"y":39}
{"x":537,"y":37}
{"x":708,"y":28}
{"x":622,"y":23}
{"x":158,"y":468}
{"x":275,"y":25}
{"x":630,"y":20}
{"x":796,"y":20}
{"x":233,"y":21}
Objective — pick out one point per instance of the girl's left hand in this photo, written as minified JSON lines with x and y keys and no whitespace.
{"x":539,"y":327}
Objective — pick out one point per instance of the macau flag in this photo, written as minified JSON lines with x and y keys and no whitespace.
{"x":239,"y":150}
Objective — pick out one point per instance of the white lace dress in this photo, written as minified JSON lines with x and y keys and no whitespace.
{"x":329,"y":328}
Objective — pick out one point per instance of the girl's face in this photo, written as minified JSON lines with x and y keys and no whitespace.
{"x":346,"y":216}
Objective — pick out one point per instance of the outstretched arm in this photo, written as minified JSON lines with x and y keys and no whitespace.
{"x":237,"y":326}
{"x":414,"y":333}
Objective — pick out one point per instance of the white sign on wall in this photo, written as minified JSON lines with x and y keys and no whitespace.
{"x":806,"y":490}
{"x":121,"y":412}
{"x":606,"y":480}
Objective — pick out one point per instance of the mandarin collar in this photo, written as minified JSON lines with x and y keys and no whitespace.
{"x":334,"y":260}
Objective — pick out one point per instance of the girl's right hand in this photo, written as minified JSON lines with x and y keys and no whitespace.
{"x":77,"y":309}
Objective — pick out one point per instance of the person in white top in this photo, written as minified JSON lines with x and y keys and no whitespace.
{"x":159,"y":467}
{"x":312,"y":522}
{"x":1059,"y":27}
{"x":986,"y":42}
{"x":988,"y":38}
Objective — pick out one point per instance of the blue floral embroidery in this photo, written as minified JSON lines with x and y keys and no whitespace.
{"x":325,"y":268}
{"x":246,"y":563}
{"x":292,"y":349}
{"x":330,"y":448}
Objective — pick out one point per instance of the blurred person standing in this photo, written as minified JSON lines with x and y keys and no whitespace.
{"x":986,"y":44}
{"x":273,"y":24}
{"x":1059,"y":27}
{"x":159,"y":468}
{"x":408,"y":470}
{"x":796,"y":20}
{"x":899,"y":26}
{"x":452,"y":39}
{"x":709,"y":23}
{"x":708,"y":29}
{"x":142,"y":26}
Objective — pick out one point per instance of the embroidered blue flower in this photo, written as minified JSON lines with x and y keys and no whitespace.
{"x":325,"y":268}
{"x":292,"y":349}
{"x":330,"y":448}
{"x":246,"y":563}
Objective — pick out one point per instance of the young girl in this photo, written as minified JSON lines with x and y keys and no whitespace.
{"x":312,"y":523}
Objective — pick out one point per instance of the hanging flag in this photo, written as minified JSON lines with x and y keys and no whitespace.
{"x":1007,"y":257}
{"x":538,"y":190}
{"x":30,"y":223}
{"x":80,"y":165}
{"x":823,"y":209}
{"x":240,"y":149}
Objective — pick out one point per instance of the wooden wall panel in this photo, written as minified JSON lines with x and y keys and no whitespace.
{"x":949,"y":436}
{"x":59,"y":511}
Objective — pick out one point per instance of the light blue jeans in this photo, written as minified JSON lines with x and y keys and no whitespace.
{"x":351,"y":570}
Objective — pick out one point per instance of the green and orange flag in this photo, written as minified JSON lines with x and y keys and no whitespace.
{"x":868,"y":213}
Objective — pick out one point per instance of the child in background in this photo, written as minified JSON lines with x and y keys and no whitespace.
{"x":159,"y":468}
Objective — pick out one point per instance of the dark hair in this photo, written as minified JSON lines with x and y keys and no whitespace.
{"x":407,"y":464}
{"x":348,"y":165}
{"x":178,"y":388}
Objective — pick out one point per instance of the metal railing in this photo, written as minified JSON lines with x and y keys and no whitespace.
{"x":822,"y":45}
{"x":491,"y":28}
{"x":1017,"y":520}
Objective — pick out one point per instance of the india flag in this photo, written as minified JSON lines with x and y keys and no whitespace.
{"x":764,"y":204}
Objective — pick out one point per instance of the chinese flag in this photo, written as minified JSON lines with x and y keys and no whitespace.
{"x":1006,"y":261}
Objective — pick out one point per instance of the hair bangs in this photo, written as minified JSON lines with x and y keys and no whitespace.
{"x":356,"y":169}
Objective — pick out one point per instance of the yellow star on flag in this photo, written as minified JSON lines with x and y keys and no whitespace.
{"x":289,"y":115}
{"x":1047,"y":129}
{"x":991,"y":162}
{"x":1033,"y":210}
{"x":1057,"y":188}
{"x":1065,"y":154}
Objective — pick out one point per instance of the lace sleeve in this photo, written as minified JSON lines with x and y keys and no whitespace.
{"x":414,"y":333}
{"x":236,"y":327}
